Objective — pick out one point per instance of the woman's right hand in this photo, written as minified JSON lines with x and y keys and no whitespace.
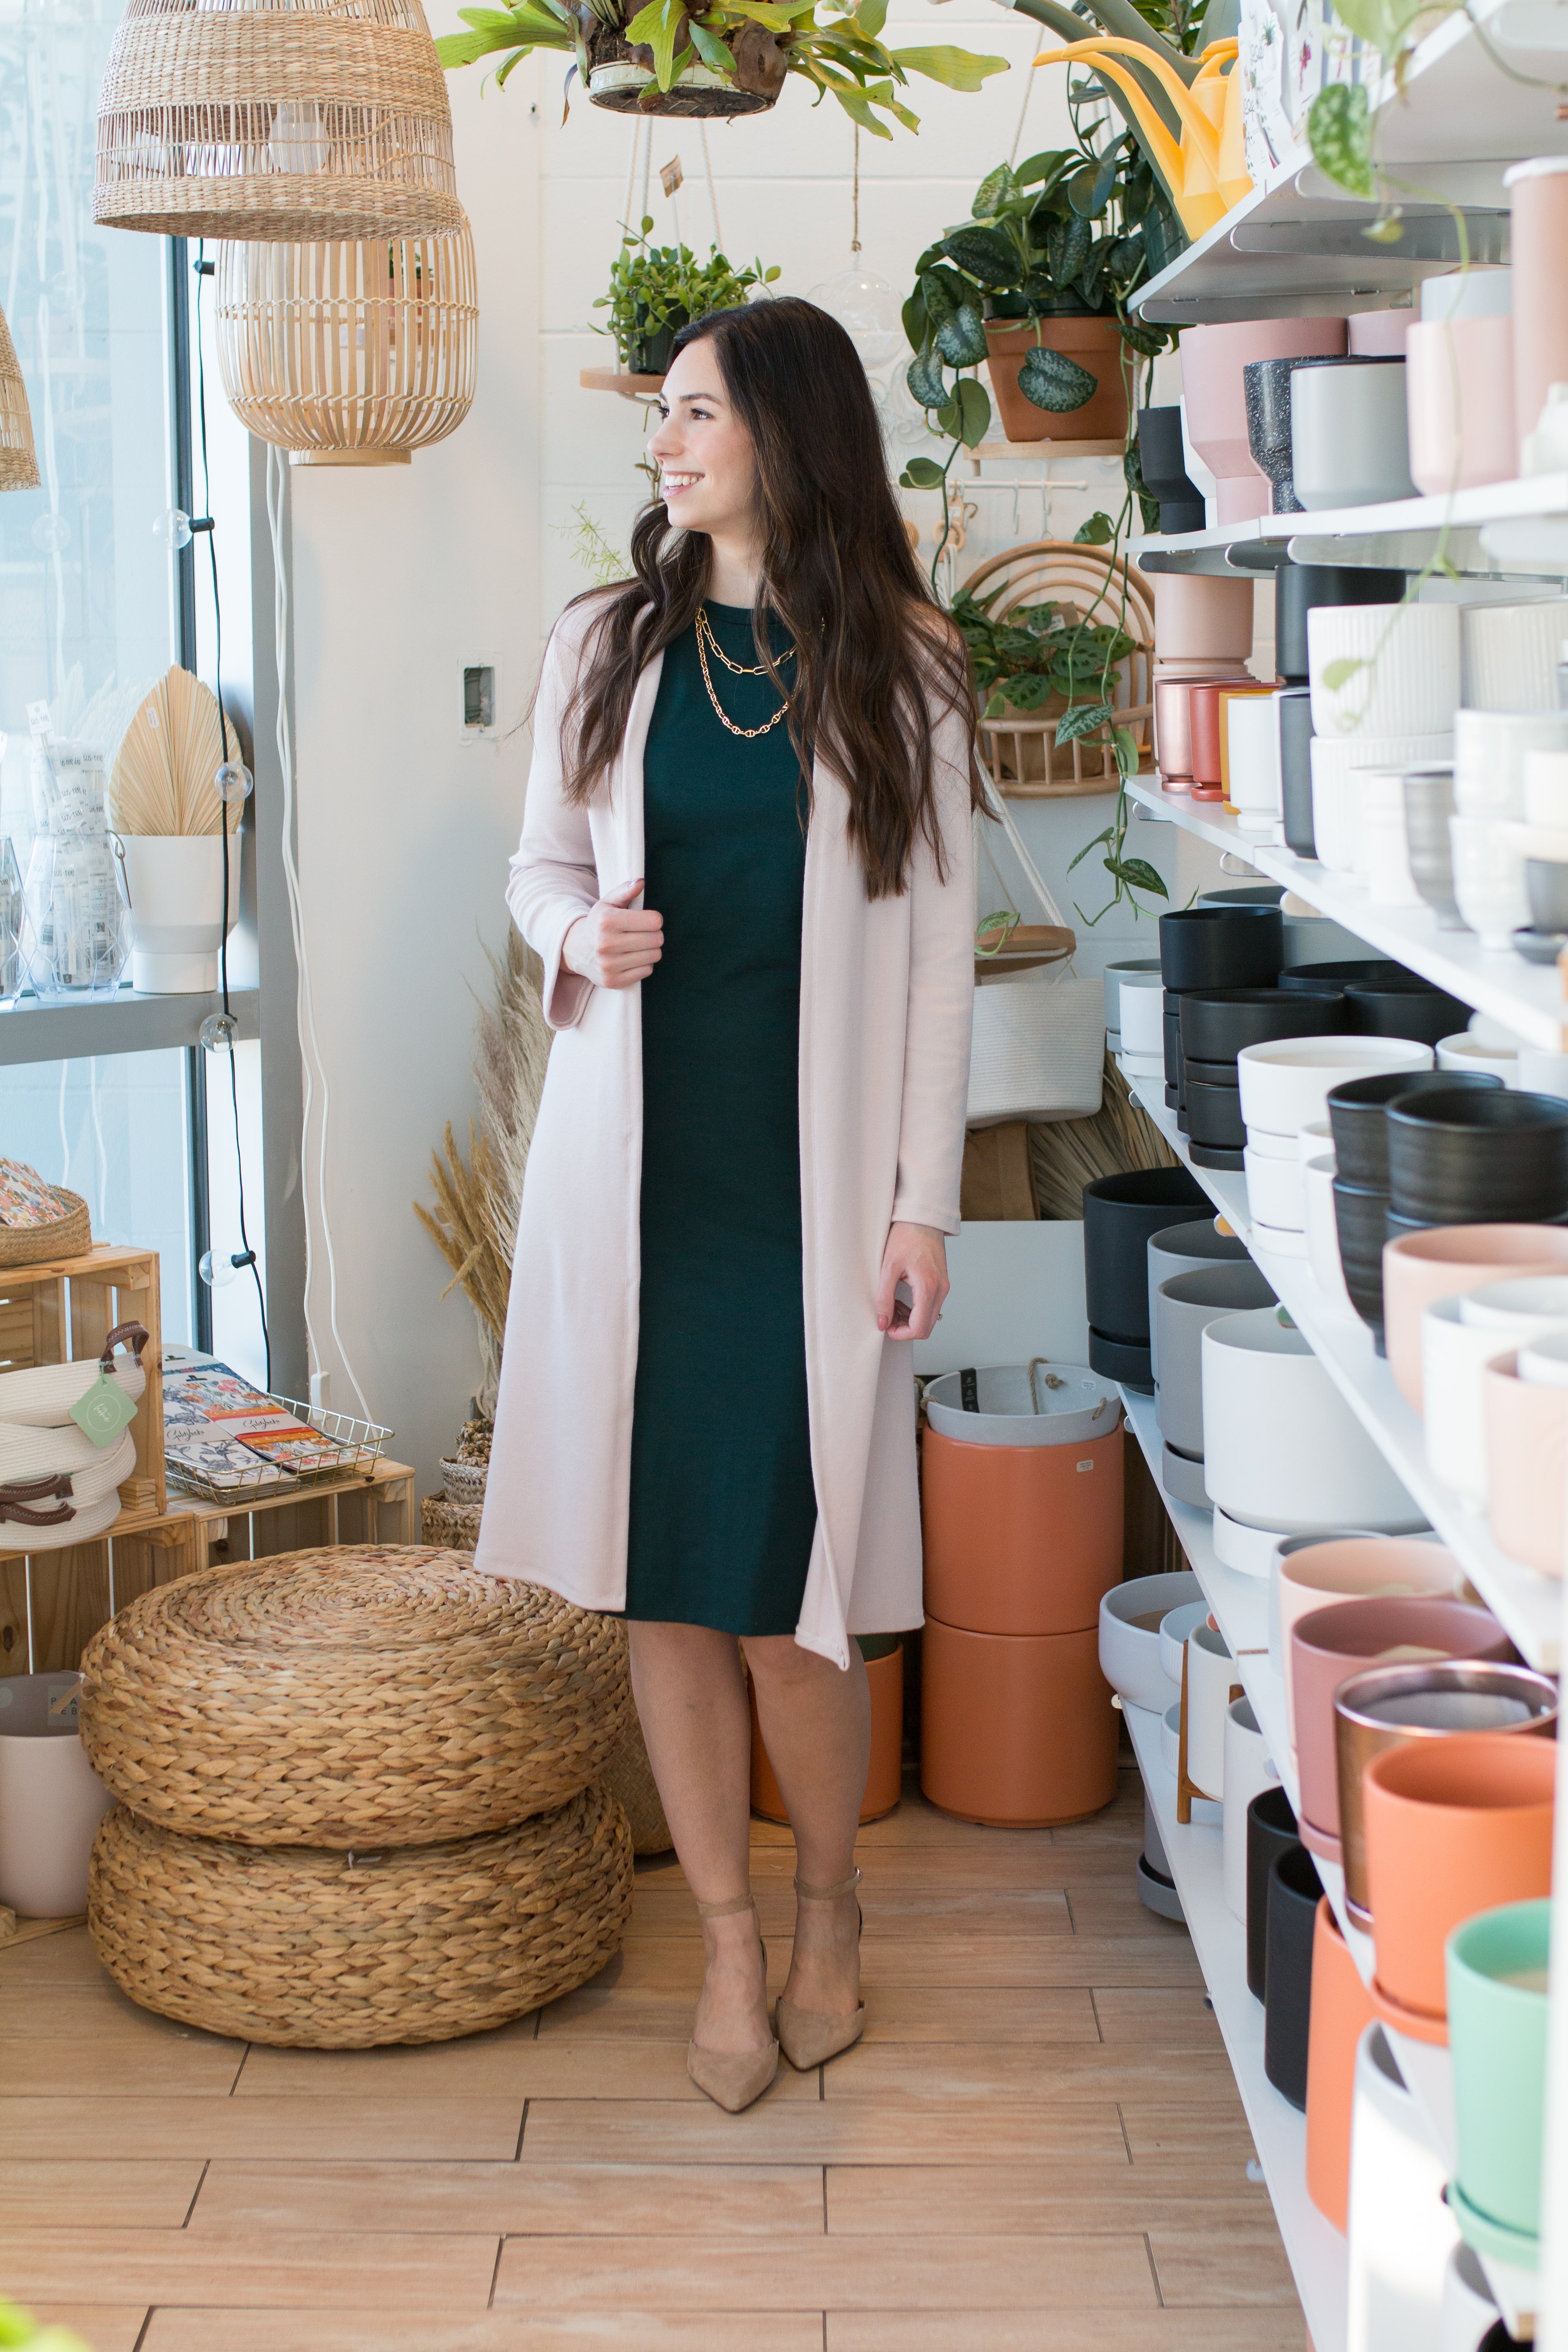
{"x":615,"y":945}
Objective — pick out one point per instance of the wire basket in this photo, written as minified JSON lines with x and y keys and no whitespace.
{"x":362,"y":1442}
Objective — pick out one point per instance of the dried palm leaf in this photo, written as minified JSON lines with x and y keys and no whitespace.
{"x":160,"y":781}
{"x":1067,"y":1154}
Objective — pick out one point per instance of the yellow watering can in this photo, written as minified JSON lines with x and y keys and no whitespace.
{"x":1206,"y":172}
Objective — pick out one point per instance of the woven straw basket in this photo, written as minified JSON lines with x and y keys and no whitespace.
{"x":628,"y":1777}
{"x":351,"y":1696}
{"x":70,"y":1235}
{"x":18,"y":462}
{"x":454,"y":1526}
{"x":332,"y":1951}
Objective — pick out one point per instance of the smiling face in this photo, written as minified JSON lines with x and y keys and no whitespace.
{"x":708,"y":473}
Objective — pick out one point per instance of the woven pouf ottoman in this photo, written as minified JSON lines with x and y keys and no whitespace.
{"x":341,"y":1951}
{"x":354,"y":1697}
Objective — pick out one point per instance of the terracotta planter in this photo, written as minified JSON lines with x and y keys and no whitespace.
{"x":1021,"y":1538}
{"x":1174,"y":720}
{"x":1354,"y":1568}
{"x":1420,"y":1267}
{"x":1341,"y":2011}
{"x":1527,"y":1466}
{"x":1453,"y":1827}
{"x":1092,"y":344}
{"x":1016,"y":1731}
{"x":1214,"y":388}
{"x":1200,"y":619}
{"x":885,"y":1773}
{"x":1330,"y":1646}
{"x":1445,"y":1699}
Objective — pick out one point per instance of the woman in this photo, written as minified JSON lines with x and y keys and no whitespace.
{"x":745,"y":863}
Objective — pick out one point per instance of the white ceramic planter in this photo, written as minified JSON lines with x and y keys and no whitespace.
{"x":1138,"y":967}
{"x":1283,"y":1449}
{"x":1338,"y":795}
{"x":1130,"y":1619}
{"x":1382,"y":847}
{"x":1466,"y":1051}
{"x":1491,"y":754}
{"x":1248,"y":1770}
{"x":1285,"y":1085}
{"x":1510,"y":653}
{"x":1274,"y":1195}
{"x":1489,"y":880}
{"x":1248,"y":1550}
{"x":1256,"y":787}
{"x":1350,"y":436}
{"x":1174,"y":1628}
{"x":1409,"y":682}
{"x":176,"y":887}
{"x":1540,"y":1072}
{"x":1266,"y":1146}
{"x":51,"y":1799}
{"x":1142,"y":1008}
{"x":1017,"y":1410}
{"x":1323,"y":1232}
{"x":1279,"y":1241}
{"x":1192,"y":1247}
{"x":1183,"y":1307}
{"x":1211,"y":1680}
{"x":1401,"y":2232}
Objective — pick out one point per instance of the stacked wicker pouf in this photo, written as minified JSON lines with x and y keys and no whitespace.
{"x":360,"y":1798}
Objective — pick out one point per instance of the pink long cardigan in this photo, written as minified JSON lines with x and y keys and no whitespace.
{"x":885,"y":1006}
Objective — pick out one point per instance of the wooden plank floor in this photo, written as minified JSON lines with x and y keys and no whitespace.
{"x":1038,"y":2142}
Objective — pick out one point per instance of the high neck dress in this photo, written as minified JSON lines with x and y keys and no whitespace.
{"x":722,"y":1508}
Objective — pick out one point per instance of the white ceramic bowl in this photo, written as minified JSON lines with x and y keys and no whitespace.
{"x":1460,"y":1335}
{"x":1081,"y":1405}
{"x":1285,"y":1085}
{"x":1274,"y":1194}
{"x":1245,"y":1549}
{"x":1323,"y":1232}
{"x":1174,"y":1627}
{"x":1129,"y":1618}
{"x":1281,"y":1447}
{"x":1544,"y":1362}
{"x":1409,"y":682}
{"x":1338,"y":798}
{"x":1492,"y":750}
{"x":1171,"y":1738}
{"x":1463,"y":1051}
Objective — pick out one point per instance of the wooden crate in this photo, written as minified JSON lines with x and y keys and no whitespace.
{"x":64,"y":1310}
{"x":52,"y":1602}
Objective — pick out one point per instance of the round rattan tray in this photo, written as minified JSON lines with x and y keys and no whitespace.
{"x":332,"y":1951}
{"x":70,"y":1235}
{"x":351,"y":1696}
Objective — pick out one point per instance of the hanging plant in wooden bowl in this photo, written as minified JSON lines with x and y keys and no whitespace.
{"x":730,"y":58}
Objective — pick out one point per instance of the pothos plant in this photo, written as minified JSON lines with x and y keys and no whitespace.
{"x":752,"y":44}
{"x":657,"y":290}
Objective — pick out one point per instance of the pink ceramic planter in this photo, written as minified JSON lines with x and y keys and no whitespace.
{"x":1212,"y":358}
{"x":1459,"y":392}
{"x":1538,"y":194}
{"x":1527,"y":1466}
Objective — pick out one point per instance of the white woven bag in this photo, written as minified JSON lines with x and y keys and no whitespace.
{"x":1038,"y":1048}
{"x":41,"y":1395}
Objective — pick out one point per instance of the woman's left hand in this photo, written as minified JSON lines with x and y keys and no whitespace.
{"x":916,"y":1255}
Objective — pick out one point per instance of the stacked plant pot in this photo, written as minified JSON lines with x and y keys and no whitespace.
{"x":1022,"y":1499}
{"x":360,"y":1798}
{"x":1297,"y":588}
{"x":1204,"y":949}
{"x":1202,"y":635}
{"x":1119,"y":1216}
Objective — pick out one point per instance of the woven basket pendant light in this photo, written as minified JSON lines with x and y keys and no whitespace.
{"x":286,"y":119}
{"x":18,"y":464}
{"x":353,"y":354}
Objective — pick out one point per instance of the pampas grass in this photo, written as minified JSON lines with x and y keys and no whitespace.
{"x":1067,"y":1154}
{"x":160,"y":778}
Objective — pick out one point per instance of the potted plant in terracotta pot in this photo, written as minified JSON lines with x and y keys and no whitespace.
{"x":1035,"y":284}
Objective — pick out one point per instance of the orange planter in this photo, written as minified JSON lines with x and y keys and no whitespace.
{"x":1453,"y":1827}
{"x":1341,"y":2008}
{"x":1016,"y":1730}
{"x":885,"y":1773}
{"x":1021,"y":1538}
{"x":1093,"y":344}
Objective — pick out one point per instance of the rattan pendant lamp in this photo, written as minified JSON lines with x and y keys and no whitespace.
{"x":18,"y":463}
{"x":288,"y":119}
{"x":350,"y":354}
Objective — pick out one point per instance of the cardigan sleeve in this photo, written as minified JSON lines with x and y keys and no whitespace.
{"x":554,"y":878}
{"x":941,"y":1005}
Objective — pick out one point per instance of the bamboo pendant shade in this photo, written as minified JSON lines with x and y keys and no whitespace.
{"x":350,"y":353}
{"x":18,"y":464}
{"x":280,"y":119}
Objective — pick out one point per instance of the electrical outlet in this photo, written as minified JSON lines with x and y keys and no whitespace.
{"x":479,"y":697}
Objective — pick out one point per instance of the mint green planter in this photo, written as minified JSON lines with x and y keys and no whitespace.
{"x":1496,"y":2035}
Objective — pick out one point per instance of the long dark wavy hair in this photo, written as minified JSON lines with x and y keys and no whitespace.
{"x":876,"y":660}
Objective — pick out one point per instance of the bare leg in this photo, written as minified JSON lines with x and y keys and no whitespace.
{"x":691,"y":1698}
{"x":816,"y":1722}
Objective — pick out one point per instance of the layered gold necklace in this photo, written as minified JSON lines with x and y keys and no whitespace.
{"x":707,"y":643}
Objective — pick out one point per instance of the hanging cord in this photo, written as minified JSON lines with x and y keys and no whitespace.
{"x":713,"y":198}
{"x":1028,"y":93}
{"x":247,"y":1255}
{"x":309,"y":1049}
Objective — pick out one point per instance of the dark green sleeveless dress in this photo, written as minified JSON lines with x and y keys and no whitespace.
{"x":723,"y":1510}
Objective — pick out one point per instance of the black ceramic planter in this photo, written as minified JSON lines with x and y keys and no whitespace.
{"x":1459,"y":1155}
{"x":1357,"y":1115}
{"x":1217,"y":1023}
{"x":1337,"y":975}
{"x":1221,"y":946}
{"x":1173,"y":1039}
{"x":1360,"y":1222}
{"x":1213,"y":1116}
{"x":1119,"y":1213}
{"x":1385,"y":1008}
{"x":1296,"y":770}
{"x":1165,"y":465}
{"x":1121,"y":1359}
{"x":1270,"y":1831}
{"x":1295,"y":1891}
{"x":1298,"y":586}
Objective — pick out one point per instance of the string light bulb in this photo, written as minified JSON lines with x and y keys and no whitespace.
{"x":218,"y":1032}
{"x":233,"y":782}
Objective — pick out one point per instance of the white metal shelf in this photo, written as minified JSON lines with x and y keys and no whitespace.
{"x":1316,"y":2250}
{"x":1501,"y":528}
{"x":1527,"y":998}
{"x":1529,"y":1607}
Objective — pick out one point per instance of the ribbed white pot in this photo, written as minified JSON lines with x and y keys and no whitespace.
{"x":176,"y":886}
{"x":1408,"y":681}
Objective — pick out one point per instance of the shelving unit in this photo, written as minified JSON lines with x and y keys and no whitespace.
{"x":1517,"y":529}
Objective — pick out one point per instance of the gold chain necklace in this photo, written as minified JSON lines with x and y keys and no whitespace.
{"x":704,"y":639}
{"x":735,"y":669}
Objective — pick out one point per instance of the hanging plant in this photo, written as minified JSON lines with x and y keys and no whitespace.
{"x":657,"y":290}
{"x":730,"y":58}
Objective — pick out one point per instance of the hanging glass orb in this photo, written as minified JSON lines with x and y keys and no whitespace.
{"x":868,"y":309}
{"x":51,"y":534}
{"x":233,"y":782}
{"x":172,"y":530}
{"x":218,"y":1032}
{"x":215,"y":1268}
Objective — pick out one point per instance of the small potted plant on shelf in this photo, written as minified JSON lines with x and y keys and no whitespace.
{"x":1031,"y":662}
{"x":657,"y":290}
{"x":731,"y":57}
